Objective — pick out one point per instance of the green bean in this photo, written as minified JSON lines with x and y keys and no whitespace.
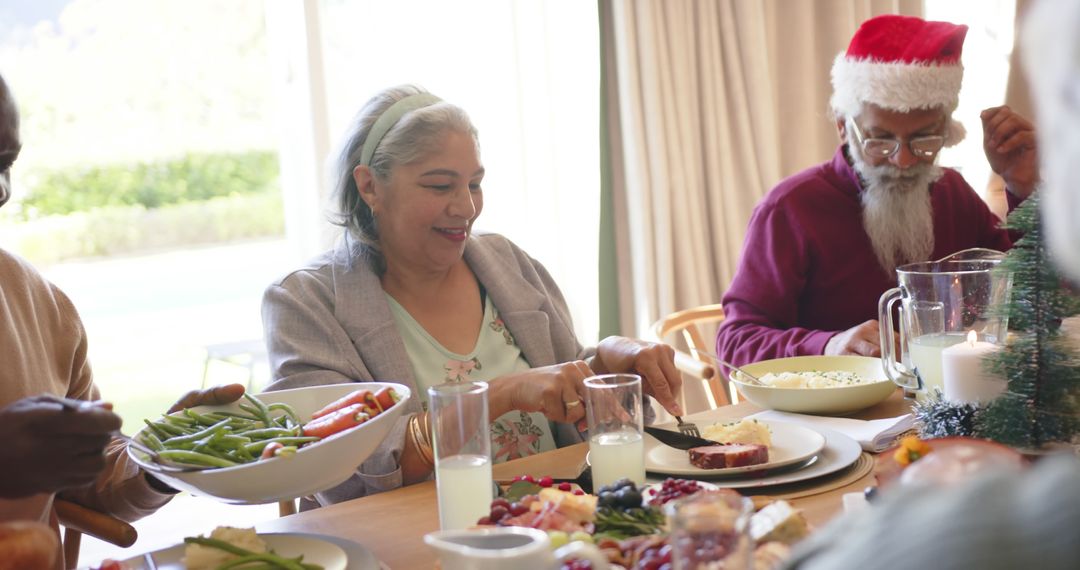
{"x":201,"y":419}
{"x":156,"y":429}
{"x":150,"y":440}
{"x":233,"y":549}
{"x":231,"y":441}
{"x":263,"y":412}
{"x":289,"y":411}
{"x":220,"y":426}
{"x":264,"y":433}
{"x":208,"y":449}
{"x":178,"y":421}
{"x":256,"y":447}
{"x":194,"y":457}
{"x":171,"y":430}
{"x":225,"y":413}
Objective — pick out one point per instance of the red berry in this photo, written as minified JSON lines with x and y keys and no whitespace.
{"x":517,"y":478}
{"x":546,"y":481}
{"x":579,"y":492}
{"x":528,"y":478}
{"x":564,"y":486}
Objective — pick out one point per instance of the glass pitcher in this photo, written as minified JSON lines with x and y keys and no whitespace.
{"x":941,"y":302}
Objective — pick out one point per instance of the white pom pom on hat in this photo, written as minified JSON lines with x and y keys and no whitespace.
{"x":901,"y":63}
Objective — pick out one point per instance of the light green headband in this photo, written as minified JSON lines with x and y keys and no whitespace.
{"x":389,"y":118}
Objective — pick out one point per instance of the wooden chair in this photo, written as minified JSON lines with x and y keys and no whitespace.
{"x":696,"y":328}
{"x":79,"y":520}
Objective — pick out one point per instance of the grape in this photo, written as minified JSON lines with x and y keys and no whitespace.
{"x":627,"y":498}
{"x":673,"y":489}
{"x":581,"y":536}
{"x":558,"y":538}
{"x":500,"y":502}
{"x":497,"y":513}
{"x":518,"y":509}
{"x":484,"y":521}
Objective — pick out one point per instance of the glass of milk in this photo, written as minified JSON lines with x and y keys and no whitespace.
{"x":459,"y":430}
{"x":613,"y":410}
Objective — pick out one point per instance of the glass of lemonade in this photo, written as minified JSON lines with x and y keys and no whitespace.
{"x":613,"y":409}
{"x":459,"y":430}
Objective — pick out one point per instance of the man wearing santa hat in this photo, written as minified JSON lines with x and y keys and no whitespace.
{"x":825,"y":243}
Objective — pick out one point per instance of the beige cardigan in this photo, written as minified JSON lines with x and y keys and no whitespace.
{"x":329,"y":322}
{"x":43,"y":351}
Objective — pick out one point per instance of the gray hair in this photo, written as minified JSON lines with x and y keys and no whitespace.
{"x":412,"y":138}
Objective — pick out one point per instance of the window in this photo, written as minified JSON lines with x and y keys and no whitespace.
{"x":528,"y":74}
{"x":987,"y":49}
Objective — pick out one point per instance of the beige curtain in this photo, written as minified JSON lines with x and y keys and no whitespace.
{"x":709,"y":104}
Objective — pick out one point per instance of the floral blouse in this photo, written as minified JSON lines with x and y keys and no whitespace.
{"x":514,"y":434}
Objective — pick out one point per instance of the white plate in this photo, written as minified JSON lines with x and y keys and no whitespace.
{"x":791,"y":444}
{"x":316,"y":550}
{"x":839,"y":400}
{"x":840,"y":451}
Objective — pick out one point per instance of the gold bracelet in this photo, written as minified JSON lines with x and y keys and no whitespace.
{"x":423,"y":448}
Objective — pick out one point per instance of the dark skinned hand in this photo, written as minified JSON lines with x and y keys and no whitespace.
{"x":53,"y":443}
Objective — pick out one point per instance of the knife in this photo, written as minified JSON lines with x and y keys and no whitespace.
{"x":676,"y":439}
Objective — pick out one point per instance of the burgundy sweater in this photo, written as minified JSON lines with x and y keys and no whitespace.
{"x":808,"y":271}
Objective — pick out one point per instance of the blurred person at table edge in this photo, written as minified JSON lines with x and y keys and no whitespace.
{"x":411,"y":294}
{"x":1002,"y":519}
{"x":59,"y":435}
{"x":823,"y":246}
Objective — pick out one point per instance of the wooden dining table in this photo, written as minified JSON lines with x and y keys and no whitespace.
{"x":392,"y":524}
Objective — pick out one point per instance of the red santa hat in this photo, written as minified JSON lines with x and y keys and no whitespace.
{"x":901,"y":63}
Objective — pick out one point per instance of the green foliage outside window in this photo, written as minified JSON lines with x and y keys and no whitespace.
{"x":190,"y":178}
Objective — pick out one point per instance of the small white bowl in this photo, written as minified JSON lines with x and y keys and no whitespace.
{"x":839,"y":400}
{"x":313,"y":468}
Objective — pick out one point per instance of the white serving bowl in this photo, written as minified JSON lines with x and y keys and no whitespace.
{"x":839,"y":400}
{"x":313,"y":468}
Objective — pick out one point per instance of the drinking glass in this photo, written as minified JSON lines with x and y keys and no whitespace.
{"x":711,"y":531}
{"x":460,"y":434}
{"x":613,"y":409}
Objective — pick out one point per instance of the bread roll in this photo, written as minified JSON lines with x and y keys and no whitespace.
{"x":26,"y":545}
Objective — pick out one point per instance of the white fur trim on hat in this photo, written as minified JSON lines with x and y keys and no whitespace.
{"x":897,"y":86}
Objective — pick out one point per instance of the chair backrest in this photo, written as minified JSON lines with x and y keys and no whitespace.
{"x":696,"y":329}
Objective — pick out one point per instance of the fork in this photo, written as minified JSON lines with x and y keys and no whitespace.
{"x":687,"y":428}
{"x":750,"y":378}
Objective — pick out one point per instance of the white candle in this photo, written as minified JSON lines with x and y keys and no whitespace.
{"x":966,"y":382}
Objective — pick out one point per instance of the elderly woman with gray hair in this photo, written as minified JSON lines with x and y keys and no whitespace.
{"x":411,"y":295}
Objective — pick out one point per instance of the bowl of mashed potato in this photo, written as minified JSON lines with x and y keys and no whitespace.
{"x":816,"y":384}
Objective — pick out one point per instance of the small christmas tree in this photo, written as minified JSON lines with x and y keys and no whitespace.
{"x":1042,"y":402}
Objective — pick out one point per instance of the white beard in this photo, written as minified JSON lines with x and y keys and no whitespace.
{"x":898,"y":215}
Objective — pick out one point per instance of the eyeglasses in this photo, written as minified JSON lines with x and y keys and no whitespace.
{"x":922,"y":147}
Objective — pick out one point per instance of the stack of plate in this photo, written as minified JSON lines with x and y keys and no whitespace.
{"x":797,"y":453}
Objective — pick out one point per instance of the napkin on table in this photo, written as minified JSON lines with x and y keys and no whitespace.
{"x":873,"y":435}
